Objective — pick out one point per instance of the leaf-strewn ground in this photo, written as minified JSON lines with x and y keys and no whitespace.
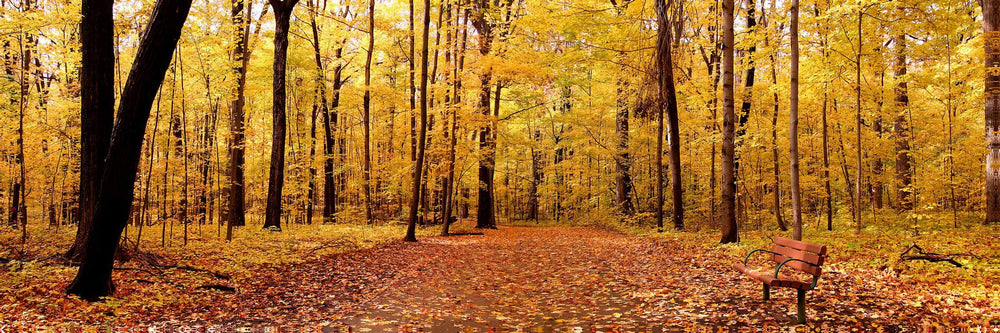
{"x":526,"y":277}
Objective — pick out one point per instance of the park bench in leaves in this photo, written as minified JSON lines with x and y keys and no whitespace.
{"x":787,"y":253}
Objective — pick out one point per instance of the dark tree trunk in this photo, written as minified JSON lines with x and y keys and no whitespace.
{"x":744,"y":118}
{"x":623,"y":182}
{"x":729,"y":226}
{"x":366,"y":116}
{"x":668,"y":96}
{"x":235,"y":217}
{"x":276,"y":180}
{"x":117,"y":186}
{"x":97,"y":108}
{"x":484,"y":212}
{"x":901,"y":129}
{"x":411,"y":227}
{"x":991,"y":25}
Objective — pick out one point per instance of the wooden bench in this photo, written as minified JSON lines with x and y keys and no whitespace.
{"x":804,"y":257}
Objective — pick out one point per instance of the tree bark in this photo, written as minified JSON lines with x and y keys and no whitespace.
{"x":484,"y":211}
{"x":623,"y":162}
{"x":97,"y":107}
{"x":730,"y":232}
{"x":411,"y":227}
{"x":366,"y":116}
{"x":240,"y":58}
{"x":793,"y":132}
{"x":991,"y":25}
{"x":668,"y":96}
{"x":276,"y":180}
{"x":117,"y":187}
{"x":901,"y":129}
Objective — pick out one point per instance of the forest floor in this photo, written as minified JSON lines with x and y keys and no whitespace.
{"x":518,"y":278}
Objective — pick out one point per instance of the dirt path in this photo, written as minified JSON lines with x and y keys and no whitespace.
{"x":518,"y":278}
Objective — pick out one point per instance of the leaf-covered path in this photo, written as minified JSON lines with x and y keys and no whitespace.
{"x":519,"y":277}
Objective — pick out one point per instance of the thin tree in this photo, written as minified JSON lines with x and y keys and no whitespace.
{"x":422,"y":140}
{"x":793,"y":131}
{"x":730,"y":233}
{"x":276,"y":180}
{"x":366,"y":116}
{"x":117,"y":187}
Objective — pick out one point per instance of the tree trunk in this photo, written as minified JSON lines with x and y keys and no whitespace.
{"x":775,"y":156}
{"x":668,"y":97}
{"x":411,"y":227}
{"x":730,"y":232}
{"x":97,"y":103}
{"x":236,"y":216}
{"x":366,"y":116}
{"x":93,"y":280}
{"x":457,"y":105}
{"x":901,"y":129}
{"x":793,"y":133}
{"x":857,"y":118}
{"x":484,"y":212}
{"x":623,"y":182}
{"x":748,"y":86}
{"x":991,"y":25}
{"x":276,"y":180}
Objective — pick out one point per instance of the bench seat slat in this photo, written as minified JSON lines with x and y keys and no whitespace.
{"x":769,"y":279}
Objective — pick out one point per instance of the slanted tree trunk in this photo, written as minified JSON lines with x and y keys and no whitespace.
{"x":240,"y":58}
{"x":457,"y":105}
{"x":741,"y":128}
{"x":776,"y":168}
{"x":97,"y":103}
{"x":793,"y":132}
{"x":411,"y":227}
{"x":730,"y":233}
{"x":668,"y":96}
{"x":276,"y":180}
{"x":117,"y":186}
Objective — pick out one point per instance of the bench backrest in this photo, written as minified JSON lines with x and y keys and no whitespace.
{"x":812,"y":254}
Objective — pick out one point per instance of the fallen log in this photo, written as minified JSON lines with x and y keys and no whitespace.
{"x":930,"y":256}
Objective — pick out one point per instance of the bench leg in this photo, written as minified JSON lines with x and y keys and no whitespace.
{"x":802,"y":306}
{"x":767,"y":292}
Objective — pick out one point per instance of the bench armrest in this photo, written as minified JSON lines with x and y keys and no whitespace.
{"x":778,"y":269}
{"x":747,"y":258}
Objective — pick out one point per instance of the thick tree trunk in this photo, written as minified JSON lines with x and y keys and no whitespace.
{"x":991,"y":25}
{"x":793,"y":132}
{"x":276,"y":180}
{"x":411,"y":227}
{"x":240,"y":58}
{"x":730,"y":232}
{"x":484,"y":212}
{"x":623,"y":162}
{"x":117,"y":187}
{"x":97,"y":107}
{"x":901,"y":129}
